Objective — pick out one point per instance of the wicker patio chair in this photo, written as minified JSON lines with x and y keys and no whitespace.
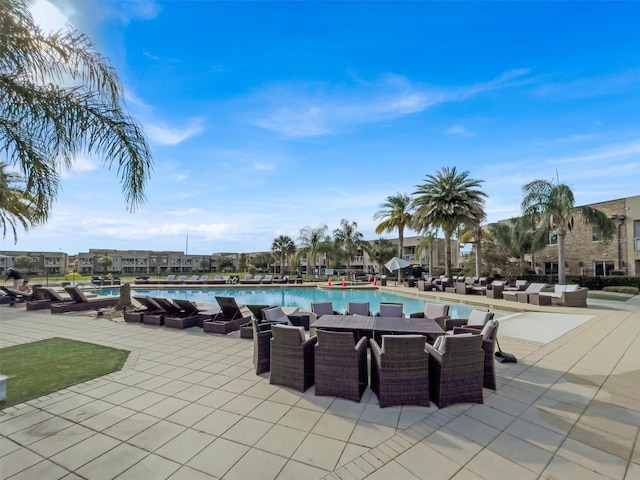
{"x":394,"y":310}
{"x":456,"y":369}
{"x":435,"y":311}
{"x":277,"y":315}
{"x":246,"y":331}
{"x":261,"y":346}
{"x":400,"y":370}
{"x":495,"y":289}
{"x":489,"y":334}
{"x":477,"y":318}
{"x":292,"y":357}
{"x":358,"y":308}
{"x":340,"y":365}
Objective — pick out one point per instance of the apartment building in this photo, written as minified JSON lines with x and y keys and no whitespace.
{"x":42,"y":263}
{"x":586,"y":253}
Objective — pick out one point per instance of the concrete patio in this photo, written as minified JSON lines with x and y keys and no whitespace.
{"x":189,"y":406}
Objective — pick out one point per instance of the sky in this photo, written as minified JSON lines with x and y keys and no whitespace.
{"x":267,"y":117}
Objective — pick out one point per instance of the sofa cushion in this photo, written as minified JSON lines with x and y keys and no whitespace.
{"x":572,"y":288}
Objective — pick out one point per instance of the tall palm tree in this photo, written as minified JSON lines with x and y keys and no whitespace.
{"x":17,"y":207}
{"x":447,"y":200}
{"x":58,"y":97}
{"x":379,"y":251}
{"x":395,"y":214}
{"x":311,"y":244}
{"x":348,"y":238}
{"x":513,"y":239}
{"x":552,"y":206}
{"x":283,"y":246}
{"x":428,"y":244}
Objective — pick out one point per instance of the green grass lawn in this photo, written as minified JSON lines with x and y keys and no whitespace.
{"x":46,"y":366}
{"x":606,"y":296}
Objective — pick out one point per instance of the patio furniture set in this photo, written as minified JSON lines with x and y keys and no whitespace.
{"x":403,"y":360}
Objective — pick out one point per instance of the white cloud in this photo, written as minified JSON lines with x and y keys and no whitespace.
{"x":459,"y":131}
{"x":315,"y":108}
{"x":49,"y":17}
{"x":166,"y":135}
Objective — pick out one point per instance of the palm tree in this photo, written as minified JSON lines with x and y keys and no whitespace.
{"x":552,"y":206}
{"x":513,"y":239}
{"x":379,"y":251}
{"x":348,"y":238}
{"x":447,"y":200}
{"x":311,"y":243}
{"x":428,"y":244}
{"x":395,"y":215}
{"x":17,"y":207}
{"x":283,"y":246}
{"x":58,"y":97}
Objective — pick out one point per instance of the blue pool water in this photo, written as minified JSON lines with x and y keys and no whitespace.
{"x":294,"y":297}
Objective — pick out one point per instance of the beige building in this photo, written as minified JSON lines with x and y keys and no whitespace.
{"x":140,"y":262}
{"x":586,"y":254}
{"x":42,"y":263}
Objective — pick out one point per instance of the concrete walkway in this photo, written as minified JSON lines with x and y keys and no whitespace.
{"x":189,"y":406}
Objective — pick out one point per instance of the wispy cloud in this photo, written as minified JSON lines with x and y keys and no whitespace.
{"x":601,"y":85}
{"x":459,"y":131}
{"x":167,"y":135}
{"x":314,"y":109}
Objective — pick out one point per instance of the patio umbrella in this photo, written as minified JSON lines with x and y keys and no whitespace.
{"x":396,"y":263}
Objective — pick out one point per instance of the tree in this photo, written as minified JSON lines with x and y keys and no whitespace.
{"x":205,"y":265}
{"x":447,"y":200}
{"x":58,"y":97}
{"x":395,"y":215}
{"x":428,"y":244}
{"x":552,"y":207}
{"x":105,"y":262}
{"x":242,"y":262}
{"x":348,"y":238}
{"x":379,"y":251}
{"x":283,"y":246}
{"x":17,"y":207}
{"x":23,"y":262}
{"x":311,"y":244}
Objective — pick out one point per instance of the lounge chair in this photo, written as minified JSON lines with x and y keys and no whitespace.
{"x":283,"y":280}
{"x":228,"y":320}
{"x":193,"y":279}
{"x":247,"y":279}
{"x":81,"y":302}
{"x":16,"y":296}
{"x":400,"y":370}
{"x":267,"y":279}
{"x":43,"y":297}
{"x":191,"y":309}
{"x":149,"y":307}
{"x":523,"y":296}
{"x":217,"y":280}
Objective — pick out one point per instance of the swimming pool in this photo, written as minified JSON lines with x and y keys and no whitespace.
{"x":294,"y":297}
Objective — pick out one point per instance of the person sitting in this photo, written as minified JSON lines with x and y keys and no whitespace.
{"x":24,"y":287}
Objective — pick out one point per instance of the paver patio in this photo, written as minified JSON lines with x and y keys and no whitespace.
{"x":188,"y":405}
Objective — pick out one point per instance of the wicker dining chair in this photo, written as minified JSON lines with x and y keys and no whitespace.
{"x":292,"y":357}
{"x":477,"y":318}
{"x":388,"y":309}
{"x":456,"y":369}
{"x":434,"y":311}
{"x":340,"y":365}
{"x":261,"y":346}
{"x":400,"y":370}
{"x":489,"y":334}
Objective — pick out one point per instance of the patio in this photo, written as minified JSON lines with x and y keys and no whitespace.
{"x":189,"y":406}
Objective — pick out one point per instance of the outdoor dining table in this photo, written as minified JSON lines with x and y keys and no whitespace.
{"x":374,"y":327}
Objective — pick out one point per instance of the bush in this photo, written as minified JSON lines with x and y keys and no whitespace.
{"x":622,"y":289}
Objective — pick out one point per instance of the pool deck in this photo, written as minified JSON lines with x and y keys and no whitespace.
{"x":188,"y":405}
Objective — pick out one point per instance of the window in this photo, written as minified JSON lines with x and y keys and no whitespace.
{"x":550,"y":268}
{"x":596,"y":235}
{"x":602,"y":269}
{"x":553,"y":238}
{"x":636,"y":230}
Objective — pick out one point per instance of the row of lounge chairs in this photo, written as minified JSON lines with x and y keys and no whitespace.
{"x":48,"y":298}
{"x":217,"y":280}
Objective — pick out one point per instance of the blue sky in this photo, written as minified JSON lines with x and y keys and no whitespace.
{"x":266,"y":117}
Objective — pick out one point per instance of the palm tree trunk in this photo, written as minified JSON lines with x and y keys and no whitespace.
{"x":561,"y":269}
{"x":400,"y":249}
{"x":447,"y":254}
{"x":478,"y":241}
